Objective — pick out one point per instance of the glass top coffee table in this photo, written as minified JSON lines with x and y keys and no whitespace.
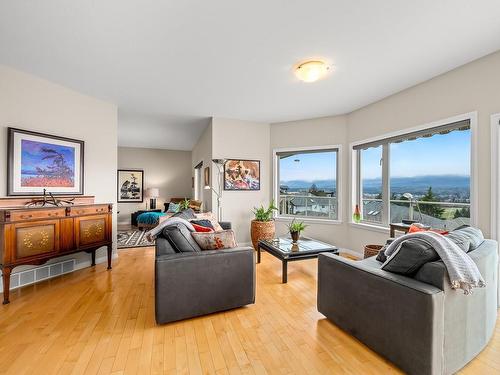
{"x":285,"y":250}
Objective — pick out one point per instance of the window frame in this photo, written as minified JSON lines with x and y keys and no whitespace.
{"x":355,"y":170}
{"x":275,"y":195}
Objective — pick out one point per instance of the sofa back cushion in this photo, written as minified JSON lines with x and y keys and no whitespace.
{"x":179,"y":236}
{"x":186,"y":214}
{"x":411,"y":255}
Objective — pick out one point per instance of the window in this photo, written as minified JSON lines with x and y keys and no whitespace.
{"x":307,"y":181}
{"x":422,"y":176}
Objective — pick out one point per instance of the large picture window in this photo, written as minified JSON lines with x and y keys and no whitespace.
{"x":423,"y":176}
{"x":306,"y":183}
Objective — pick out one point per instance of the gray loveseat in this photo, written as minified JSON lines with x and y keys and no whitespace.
{"x":194,"y":282}
{"x":420,"y":324}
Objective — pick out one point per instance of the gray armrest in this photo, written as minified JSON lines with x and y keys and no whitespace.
{"x":199,"y":283}
{"x":225,"y":225}
{"x":400,"y":318}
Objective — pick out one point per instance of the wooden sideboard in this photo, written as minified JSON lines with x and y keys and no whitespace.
{"x":36,"y":235}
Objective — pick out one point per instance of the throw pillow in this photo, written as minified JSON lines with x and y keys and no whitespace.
{"x":210,"y":217}
{"x":409,"y":257}
{"x":460,"y":239}
{"x":215,"y":240}
{"x":203,"y":223}
{"x":173,"y":207}
{"x":179,"y":237}
{"x":201,"y":229}
{"x":473,"y":234}
{"x":186,"y":214}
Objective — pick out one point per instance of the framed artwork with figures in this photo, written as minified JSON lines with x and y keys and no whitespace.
{"x":242,"y":174}
{"x":39,"y":162}
{"x":130,"y":186}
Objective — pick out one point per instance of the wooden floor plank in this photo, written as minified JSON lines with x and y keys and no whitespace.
{"x":95,"y":321}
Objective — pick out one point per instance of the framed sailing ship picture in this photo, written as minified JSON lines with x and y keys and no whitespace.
{"x":40,"y":162}
{"x":130,"y":186}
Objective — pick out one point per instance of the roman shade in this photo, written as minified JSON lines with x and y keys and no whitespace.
{"x":424,"y":133}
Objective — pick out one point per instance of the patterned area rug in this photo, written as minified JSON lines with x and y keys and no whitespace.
{"x":133,"y":238}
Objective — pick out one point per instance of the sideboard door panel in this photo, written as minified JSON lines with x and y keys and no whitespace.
{"x":91,"y":230}
{"x":35,"y":239}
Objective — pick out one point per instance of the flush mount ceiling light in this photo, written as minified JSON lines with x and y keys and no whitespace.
{"x":311,"y":71}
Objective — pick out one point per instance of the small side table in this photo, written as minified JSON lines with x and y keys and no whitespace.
{"x":401,"y":227}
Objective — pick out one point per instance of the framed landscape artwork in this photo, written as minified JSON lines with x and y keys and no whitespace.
{"x":242,"y":174}
{"x":130,"y":186}
{"x":38,"y":162}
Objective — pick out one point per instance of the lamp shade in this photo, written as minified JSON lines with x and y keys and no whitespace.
{"x":153,"y":192}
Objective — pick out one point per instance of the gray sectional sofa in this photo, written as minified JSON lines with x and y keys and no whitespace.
{"x":190,"y":282}
{"x":419,"y":323}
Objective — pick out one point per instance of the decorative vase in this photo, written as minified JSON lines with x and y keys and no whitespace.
{"x":295,"y":236}
{"x":261,"y":230}
{"x":356,"y":216}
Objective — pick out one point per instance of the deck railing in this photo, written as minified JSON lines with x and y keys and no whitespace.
{"x":308,"y":206}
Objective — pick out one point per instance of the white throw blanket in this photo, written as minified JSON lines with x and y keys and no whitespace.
{"x":153,"y":233}
{"x":462,"y":270}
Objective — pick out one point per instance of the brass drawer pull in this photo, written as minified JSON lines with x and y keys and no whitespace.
{"x":99,"y":209}
{"x":53,"y":213}
{"x":26,"y":216}
{"x":80,"y":212}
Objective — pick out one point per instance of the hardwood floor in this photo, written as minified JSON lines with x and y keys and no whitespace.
{"x":98,"y":322}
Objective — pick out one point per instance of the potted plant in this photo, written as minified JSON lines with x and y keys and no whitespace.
{"x":262,"y":227}
{"x":295,"y":227}
{"x":184,"y":205}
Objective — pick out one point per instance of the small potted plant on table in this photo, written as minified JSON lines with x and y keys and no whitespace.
{"x":262,"y":227}
{"x":295,"y":227}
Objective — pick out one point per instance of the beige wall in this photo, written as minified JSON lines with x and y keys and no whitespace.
{"x":472,"y":87}
{"x":235,"y":139}
{"x":202,"y":152}
{"x":170,"y":171}
{"x":32,"y":103}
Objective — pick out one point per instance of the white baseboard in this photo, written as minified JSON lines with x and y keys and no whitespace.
{"x":87,"y":263}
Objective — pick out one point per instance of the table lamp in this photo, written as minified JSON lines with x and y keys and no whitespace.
{"x":152,"y":193}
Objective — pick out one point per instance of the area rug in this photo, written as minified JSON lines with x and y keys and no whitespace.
{"x":133,"y":238}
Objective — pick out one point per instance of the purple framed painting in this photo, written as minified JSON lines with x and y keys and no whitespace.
{"x":38,"y":162}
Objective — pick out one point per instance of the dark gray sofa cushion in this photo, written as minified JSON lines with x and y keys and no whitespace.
{"x":186,"y":214}
{"x":179,"y":236}
{"x":411,"y":255}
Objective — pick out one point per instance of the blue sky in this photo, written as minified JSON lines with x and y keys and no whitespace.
{"x":447,"y":154}
{"x":315,"y":166}
{"x":438,"y":155}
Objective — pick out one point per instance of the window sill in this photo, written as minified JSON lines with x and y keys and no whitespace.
{"x":372,"y":227}
{"x":308,"y":220}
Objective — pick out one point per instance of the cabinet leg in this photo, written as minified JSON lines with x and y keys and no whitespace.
{"x":93,"y":258}
{"x":258,"y":254}
{"x":110,"y":254}
{"x":6,"y":284}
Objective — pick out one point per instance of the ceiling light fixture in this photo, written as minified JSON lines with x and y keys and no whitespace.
{"x":311,"y":71}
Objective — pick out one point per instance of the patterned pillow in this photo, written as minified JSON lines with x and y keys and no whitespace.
{"x":201,"y":228}
{"x":215,"y":240}
{"x":173,"y":207}
{"x":210,"y":217}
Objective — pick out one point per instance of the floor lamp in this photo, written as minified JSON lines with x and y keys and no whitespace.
{"x":218,"y":193}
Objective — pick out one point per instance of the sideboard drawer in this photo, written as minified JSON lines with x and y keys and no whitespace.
{"x":24,"y":215}
{"x":91,"y":210}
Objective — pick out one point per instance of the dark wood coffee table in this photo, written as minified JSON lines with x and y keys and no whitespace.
{"x":285,"y":250}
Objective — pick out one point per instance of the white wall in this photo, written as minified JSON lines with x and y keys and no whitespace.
{"x":202,"y":152}
{"x":170,"y":171}
{"x":317,"y":132}
{"x":472,"y":87}
{"x":32,"y":103}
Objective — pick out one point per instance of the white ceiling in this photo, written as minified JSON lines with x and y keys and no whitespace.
{"x":169,"y":65}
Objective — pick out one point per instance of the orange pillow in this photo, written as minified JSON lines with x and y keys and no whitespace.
{"x":201,"y":229}
{"x":414,"y":228}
